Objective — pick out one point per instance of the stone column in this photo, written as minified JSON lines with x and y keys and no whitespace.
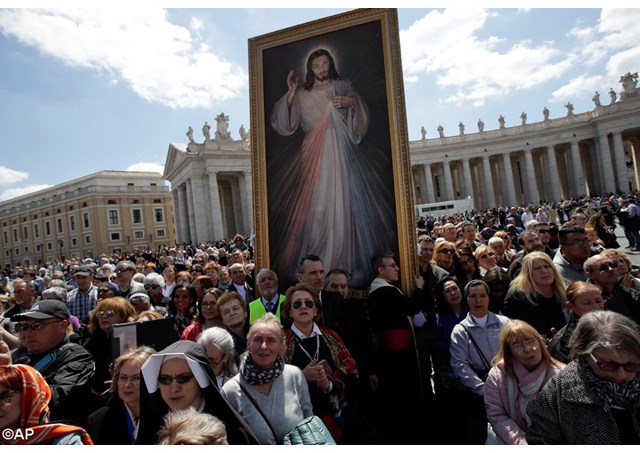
{"x":216,"y":210}
{"x":428,"y":177}
{"x":175,"y":195}
{"x":510,"y":189}
{"x":246,"y":202}
{"x":576,"y":164}
{"x":199,"y":209}
{"x":606,"y":167}
{"x":490,"y":199}
{"x":531,"y":186}
{"x":468,"y":181}
{"x":621,"y":166}
{"x":183,"y":214}
{"x":553,"y":188}
{"x":448,"y":185}
{"x":191,"y":217}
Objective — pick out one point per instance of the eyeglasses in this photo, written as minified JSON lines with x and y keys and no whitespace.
{"x":207,"y":304}
{"x":105,"y":314}
{"x":608,"y":265}
{"x":23,"y":326}
{"x":631,"y":367}
{"x":486,"y":255}
{"x":585,"y":241}
{"x":307,"y":302}
{"x":164,"y":379}
{"x":148,"y":287}
{"x":519,"y":347}
{"x":124,"y":379}
{"x":122,"y":269}
{"x":448,"y":251}
{"x":5,"y":397}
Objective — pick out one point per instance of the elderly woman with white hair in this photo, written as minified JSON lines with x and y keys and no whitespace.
{"x":222,"y":356}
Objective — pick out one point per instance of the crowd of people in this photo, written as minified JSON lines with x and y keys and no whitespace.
{"x":520,"y":328}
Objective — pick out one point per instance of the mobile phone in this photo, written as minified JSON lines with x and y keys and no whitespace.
{"x":325,"y":365}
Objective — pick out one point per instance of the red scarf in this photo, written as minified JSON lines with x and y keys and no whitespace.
{"x":34,"y":412}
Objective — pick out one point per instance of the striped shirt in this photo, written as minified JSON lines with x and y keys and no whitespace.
{"x":80,"y":304}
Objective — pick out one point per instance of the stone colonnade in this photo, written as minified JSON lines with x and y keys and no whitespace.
{"x":590,"y":153}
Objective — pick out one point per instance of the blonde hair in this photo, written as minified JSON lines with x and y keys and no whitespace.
{"x":524,"y":281}
{"x":119,"y":305}
{"x":517,"y":331}
{"x":190,"y":427}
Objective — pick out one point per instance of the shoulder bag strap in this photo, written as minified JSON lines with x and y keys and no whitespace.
{"x":473,"y":340}
{"x":253,"y":401}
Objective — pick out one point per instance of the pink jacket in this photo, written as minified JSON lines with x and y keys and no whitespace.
{"x":506,"y":398}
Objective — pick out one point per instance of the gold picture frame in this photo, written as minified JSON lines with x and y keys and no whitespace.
{"x":330,"y":160}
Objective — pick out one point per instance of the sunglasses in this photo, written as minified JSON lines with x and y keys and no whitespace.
{"x":105,"y":314}
{"x":23,"y":326}
{"x":164,"y":379}
{"x":307,"y":302}
{"x":631,"y":367}
{"x":123,"y":269}
{"x":148,"y":287}
{"x":486,"y":255}
{"x":448,"y":251}
{"x":610,"y":265}
{"x":5,"y":397}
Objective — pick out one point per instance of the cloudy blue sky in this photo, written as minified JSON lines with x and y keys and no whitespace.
{"x":85,"y":90}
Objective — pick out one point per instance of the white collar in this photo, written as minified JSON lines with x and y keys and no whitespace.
{"x":314,"y":332}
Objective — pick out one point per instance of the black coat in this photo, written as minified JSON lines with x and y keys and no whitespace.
{"x":108,"y":425}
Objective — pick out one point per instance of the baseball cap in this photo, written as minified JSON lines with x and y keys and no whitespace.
{"x":45,"y":309}
{"x":83,"y":271}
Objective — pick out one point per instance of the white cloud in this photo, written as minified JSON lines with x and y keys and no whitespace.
{"x":579,"y":87}
{"x":147,"y":166}
{"x":9,"y":176}
{"x":19,"y":191}
{"x":446,"y":43}
{"x":160,"y":61}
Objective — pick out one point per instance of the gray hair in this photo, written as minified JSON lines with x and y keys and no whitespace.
{"x":605,"y":329}
{"x":264,"y":272}
{"x":495,"y":240}
{"x":190,"y":427}
{"x":56,"y":292}
{"x":154,"y":278}
{"x":220,"y":338}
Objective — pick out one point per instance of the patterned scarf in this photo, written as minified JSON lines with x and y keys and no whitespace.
{"x":34,"y":412}
{"x":612,"y":394}
{"x":256,"y":376}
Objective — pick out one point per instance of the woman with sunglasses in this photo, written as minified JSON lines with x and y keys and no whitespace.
{"x":486,"y":259}
{"x":327,"y":365}
{"x":466,"y":267}
{"x":443,"y":255}
{"x":271,"y":395}
{"x":183,"y":306}
{"x":537,"y":295}
{"x":117,"y":422}
{"x":208,"y":315}
{"x":179,"y":377}
{"x":595,"y":399}
{"x":97,"y":341}
{"x":520,"y":369}
{"x":24,"y":411}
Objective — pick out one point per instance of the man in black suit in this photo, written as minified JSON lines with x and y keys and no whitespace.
{"x":239,"y":283}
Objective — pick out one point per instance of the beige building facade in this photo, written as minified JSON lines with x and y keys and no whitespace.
{"x":573,"y":154}
{"x":99,"y":213}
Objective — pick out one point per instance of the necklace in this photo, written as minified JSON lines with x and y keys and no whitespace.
{"x":315,"y":356}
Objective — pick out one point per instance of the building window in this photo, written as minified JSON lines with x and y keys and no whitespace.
{"x":113,"y":217}
{"x":87,"y":239}
{"x":49,"y":246}
{"x":59,"y":225}
{"x":15,"y":235}
{"x":115,"y":236}
{"x":136,"y":216}
{"x":135,"y":202}
{"x":157,"y":200}
{"x":17,"y":251}
{"x":47,"y":228}
{"x":72,"y":223}
{"x":26,"y":249}
{"x":25,"y":233}
{"x":130,"y":184}
{"x":74,"y":242}
{"x":111,"y":202}
{"x":159,"y":215}
{"x":138,"y":234}
{"x":36,"y":230}
{"x":38,"y":248}
{"x":6,"y":237}
{"x":160,"y":233}
{"x":85,"y":217}
{"x":84,"y":205}
{"x":6,"y":253}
